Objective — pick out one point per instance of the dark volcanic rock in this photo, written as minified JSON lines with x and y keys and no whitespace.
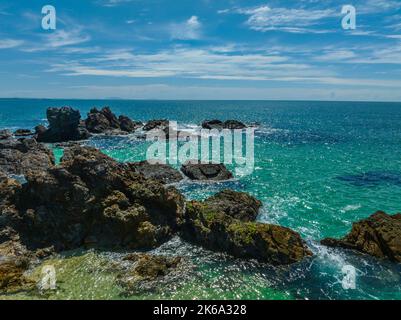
{"x":238,"y":205}
{"x":64,"y":125}
{"x":126,"y":124}
{"x":156,"y":124}
{"x":160,"y":172}
{"x":111,"y":118}
{"x":104,"y":121}
{"x":220,"y":125}
{"x":379,"y":235}
{"x":20,"y":156}
{"x":97,"y":122}
{"x":212,"y":124}
{"x":5,"y":134}
{"x":91,"y":196}
{"x":208,"y":171}
{"x":218,"y":231}
{"x":23,"y":133}
{"x":234,"y":124}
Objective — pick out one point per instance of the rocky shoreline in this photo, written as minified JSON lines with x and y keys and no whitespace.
{"x":90,"y":200}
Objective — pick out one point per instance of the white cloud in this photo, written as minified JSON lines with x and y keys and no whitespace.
{"x":10,"y":43}
{"x":336,"y":55}
{"x":58,"y":39}
{"x":188,"y":30}
{"x":112,"y":3}
{"x":211,"y":63}
{"x":265,"y":18}
{"x":62,"y":38}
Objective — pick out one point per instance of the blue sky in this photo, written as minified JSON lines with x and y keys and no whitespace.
{"x":204,"y":49}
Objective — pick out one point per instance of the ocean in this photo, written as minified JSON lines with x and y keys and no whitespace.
{"x":319,"y":167}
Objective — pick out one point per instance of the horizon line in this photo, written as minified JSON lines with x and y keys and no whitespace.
{"x":155,"y":99}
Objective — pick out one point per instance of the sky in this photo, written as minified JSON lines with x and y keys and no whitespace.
{"x":201,"y":49}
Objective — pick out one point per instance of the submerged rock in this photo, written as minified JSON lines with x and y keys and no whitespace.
{"x":20,"y":156}
{"x":218,"y":231}
{"x":14,"y":261}
{"x":160,"y":172}
{"x":379,"y":235}
{"x":64,"y":125}
{"x":149,"y":272}
{"x":92,"y":197}
{"x":208,"y":171}
{"x":23,"y":133}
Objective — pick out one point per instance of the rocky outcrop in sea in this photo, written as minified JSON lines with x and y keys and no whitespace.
{"x":378,"y":235}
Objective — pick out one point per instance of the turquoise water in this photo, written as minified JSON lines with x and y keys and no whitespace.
{"x":319,"y":166}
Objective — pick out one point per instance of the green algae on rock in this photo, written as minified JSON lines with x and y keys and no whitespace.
{"x":379,"y":235}
{"x":148,"y":272}
{"x":214,"y":229}
{"x":92,"y":196}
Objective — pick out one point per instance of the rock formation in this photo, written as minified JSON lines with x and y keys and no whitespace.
{"x":64,"y":125}
{"x":92,"y":198}
{"x":210,"y":226}
{"x":220,"y":125}
{"x":104,"y":121}
{"x":156,"y":124}
{"x":20,"y":156}
{"x":207,"y":171}
{"x":379,"y":235}
{"x":160,"y":172}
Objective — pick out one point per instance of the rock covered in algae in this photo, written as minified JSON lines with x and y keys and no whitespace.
{"x":379,"y":235}
{"x":212,"y":227}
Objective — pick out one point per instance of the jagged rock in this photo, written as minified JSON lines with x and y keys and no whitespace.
{"x":97,"y":122}
{"x":23,"y":133}
{"x":91,"y":196}
{"x":234,"y":124}
{"x":20,"y":156}
{"x":148,"y":272}
{"x":160,"y":172}
{"x":218,"y":231}
{"x":220,"y":125}
{"x":40,"y":130}
{"x":3,"y":176}
{"x":111,"y":118}
{"x":126,"y":124}
{"x":207,"y":171}
{"x":156,"y":124}
{"x":213,"y":124}
{"x":64,"y":125}
{"x":379,"y":235}
{"x":104,"y":121}
{"x":5,"y":134}
{"x":238,"y":205}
